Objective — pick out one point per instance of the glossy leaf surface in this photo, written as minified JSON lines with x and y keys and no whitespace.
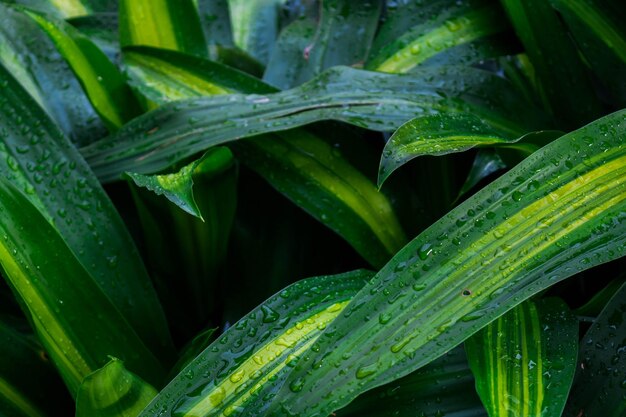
{"x":75,"y":321}
{"x":319,"y":178}
{"x":252,"y":358}
{"x":103,"y":83}
{"x":373,"y":100}
{"x":42,"y":162}
{"x":113,"y":391}
{"x":524,"y":362}
{"x":599,"y":385}
{"x":178,"y":187}
{"x":534,"y":226}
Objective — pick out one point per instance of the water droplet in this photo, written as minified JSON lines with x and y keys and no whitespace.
{"x":424,"y":251}
{"x":237,"y":376}
{"x":367,"y":370}
{"x":269,"y":315}
{"x":384,"y":318}
{"x":297,"y":385}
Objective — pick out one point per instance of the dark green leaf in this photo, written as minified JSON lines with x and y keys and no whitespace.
{"x":103,"y":83}
{"x":560,"y":211}
{"x":255,"y":26}
{"x":64,"y":9}
{"x":563,"y":82}
{"x":31,"y":57}
{"x":29,"y":385}
{"x":39,"y":160}
{"x":598,"y":389}
{"x":441,"y":388}
{"x":113,"y":391}
{"x":598,"y":28}
{"x":75,"y":321}
{"x":303,"y":52}
{"x":485,"y":163}
{"x":524,"y":362}
{"x":373,"y":100}
{"x":215,"y":20}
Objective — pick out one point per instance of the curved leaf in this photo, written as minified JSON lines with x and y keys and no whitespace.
{"x":31,"y":57}
{"x":251,"y":359}
{"x":373,"y":100}
{"x":424,"y":41}
{"x":531,"y":228}
{"x":524,"y":362}
{"x":215,"y":19}
{"x":442,"y":134}
{"x":64,"y":9}
{"x":103,"y":83}
{"x":255,"y":26}
{"x":178,"y":187}
{"x":320,"y":180}
{"x":599,"y":384}
{"x":485,"y":163}
{"x":162,"y":23}
{"x":75,"y":321}
{"x":39,"y":160}
{"x":112,"y":391}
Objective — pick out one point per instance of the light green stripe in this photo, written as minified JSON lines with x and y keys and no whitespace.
{"x":88,"y":75}
{"x":263,"y":359}
{"x":70,"y":8}
{"x":557,"y":205}
{"x":149,"y":23}
{"x":453,"y":32}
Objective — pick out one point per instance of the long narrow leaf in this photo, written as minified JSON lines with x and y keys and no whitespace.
{"x":65,"y":9}
{"x":255,"y":25}
{"x":103,"y":83}
{"x":373,"y":100}
{"x":320,"y":180}
{"x":76,"y":322}
{"x":524,"y":362}
{"x":162,"y":23}
{"x":42,"y":163}
{"x":254,"y":355}
{"x":533,"y":227}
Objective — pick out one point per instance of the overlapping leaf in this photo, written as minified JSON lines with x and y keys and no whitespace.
{"x":538,"y":224}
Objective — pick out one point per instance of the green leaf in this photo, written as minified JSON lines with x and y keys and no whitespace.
{"x":64,"y":9}
{"x":178,"y":187}
{"x":255,"y":26}
{"x":103,"y":83}
{"x":41,"y":162}
{"x":443,"y":387}
{"x":333,"y":42}
{"x":599,"y":383}
{"x":599,"y":33}
{"x":558,"y":212}
{"x":31,"y":57}
{"x":75,"y":321}
{"x":251,"y":359}
{"x":442,"y":134}
{"x":430,"y":38}
{"x":367,"y":99}
{"x":164,"y":24}
{"x":102,"y":30}
{"x":485,"y":163}
{"x":320,"y":180}
{"x":524,"y":362}
{"x":594,"y":306}
{"x":147,"y":69}
{"x":112,"y":391}
{"x":29,"y":385}
{"x":563,"y":81}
